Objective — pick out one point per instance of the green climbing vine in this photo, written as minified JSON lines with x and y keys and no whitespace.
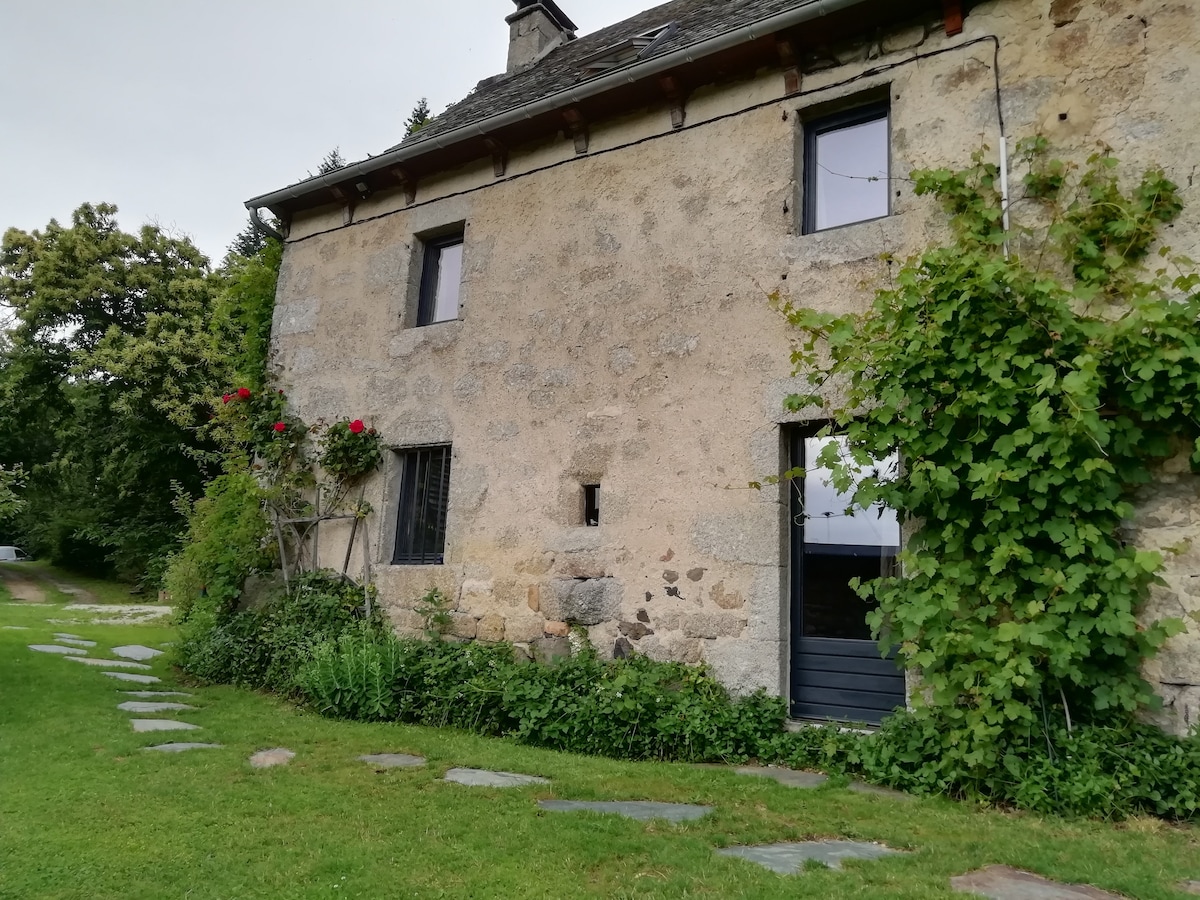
{"x":1031,"y":379}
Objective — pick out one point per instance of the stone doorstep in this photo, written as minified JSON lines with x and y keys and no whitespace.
{"x":641,"y":810}
{"x":486,"y":778}
{"x":1007,"y":883}
{"x":790,"y":858}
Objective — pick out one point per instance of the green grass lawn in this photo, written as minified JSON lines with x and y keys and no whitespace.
{"x":85,"y":813}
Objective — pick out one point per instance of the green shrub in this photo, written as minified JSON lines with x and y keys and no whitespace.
{"x":267,"y":646}
{"x":226,"y":542}
{"x":639,"y":709}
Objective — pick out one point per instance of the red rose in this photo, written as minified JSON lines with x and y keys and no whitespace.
{"x":280,"y":426}
{"x":356,"y":426}
{"x":243,"y":393}
{"x":225,"y":398}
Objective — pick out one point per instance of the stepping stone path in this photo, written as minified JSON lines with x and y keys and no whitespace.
{"x":76,"y":642}
{"x":153,"y":694}
{"x":139,"y":707}
{"x":67,"y":636}
{"x":788,"y":859}
{"x":13,"y":627}
{"x":161,"y":725}
{"x":642,"y":810}
{"x":136,"y":651}
{"x":267,"y":759}
{"x":1005,"y":883}
{"x":393,"y":760}
{"x":484,"y":778}
{"x":112,"y":663}
{"x":58,"y":648}
{"x":130,"y":676}
{"x":180,"y":747}
{"x":791,"y":778}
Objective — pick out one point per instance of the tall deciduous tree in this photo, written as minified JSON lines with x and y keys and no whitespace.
{"x":104,"y":378}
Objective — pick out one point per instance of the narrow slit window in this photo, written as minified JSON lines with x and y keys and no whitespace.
{"x":441,"y":280}
{"x":421,"y":514}
{"x":846,"y":168}
{"x":591,"y":504}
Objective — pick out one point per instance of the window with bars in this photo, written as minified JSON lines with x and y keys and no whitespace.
{"x":421,"y":516}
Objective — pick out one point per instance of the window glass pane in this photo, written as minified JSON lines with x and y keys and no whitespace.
{"x":846,"y":158}
{"x":449,"y":278}
{"x":826,"y":522}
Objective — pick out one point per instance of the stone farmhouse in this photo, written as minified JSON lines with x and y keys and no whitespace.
{"x":552,"y":302}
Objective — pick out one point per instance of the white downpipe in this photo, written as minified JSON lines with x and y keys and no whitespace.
{"x":1004,"y":188}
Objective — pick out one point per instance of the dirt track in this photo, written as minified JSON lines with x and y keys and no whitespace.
{"x":22,"y":585}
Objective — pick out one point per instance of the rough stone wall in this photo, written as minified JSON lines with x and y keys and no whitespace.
{"x":615,"y":328}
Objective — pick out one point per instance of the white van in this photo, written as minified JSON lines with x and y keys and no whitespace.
{"x":12,"y":554}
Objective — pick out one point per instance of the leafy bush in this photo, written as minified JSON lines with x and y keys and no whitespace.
{"x":226,"y":542}
{"x":639,"y":709}
{"x":266,"y":646}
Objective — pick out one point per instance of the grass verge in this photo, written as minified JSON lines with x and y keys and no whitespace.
{"x":84,"y":812}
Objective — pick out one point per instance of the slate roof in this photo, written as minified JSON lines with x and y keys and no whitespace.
{"x":697,"y":20}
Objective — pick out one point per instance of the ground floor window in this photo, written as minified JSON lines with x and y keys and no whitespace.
{"x":421,"y":513}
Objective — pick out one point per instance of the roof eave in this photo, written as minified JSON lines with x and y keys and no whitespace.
{"x":406,"y":153}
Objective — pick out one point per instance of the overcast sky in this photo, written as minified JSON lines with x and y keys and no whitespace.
{"x":178,"y":111}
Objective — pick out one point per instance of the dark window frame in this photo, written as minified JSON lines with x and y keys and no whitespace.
{"x":431,"y":260}
{"x":813,"y":129}
{"x":415,"y":543}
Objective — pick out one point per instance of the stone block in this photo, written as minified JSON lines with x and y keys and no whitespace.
{"x":905,"y":39}
{"x":713,"y":626}
{"x":585,"y":601}
{"x":534,"y":600}
{"x":745,"y":666}
{"x":523,"y":629}
{"x":548,"y":649}
{"x":747,"y":535}
{"x":463,"y":625}
{"x":725,"y":599}
{"x":635,"y":631}
{"x":556,"y":629}
{"x":490,"y":629}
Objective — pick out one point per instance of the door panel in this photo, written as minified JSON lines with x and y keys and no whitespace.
{"x":837,"y":671}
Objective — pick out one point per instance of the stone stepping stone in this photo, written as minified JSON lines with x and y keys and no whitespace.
{"x":76,"y":642}
{"x":161,"y":725}
{"x":1189,"y":887}
{"x":130,"y":676}
{"x":180,"y":747}
{"x":788,"y":859}
{"x":67,"y":636}
{"x":642,"y":810}
{"x":151,"y":694}
{"x":111,"y":663}
{"x":1006,"y":883}
{"x":13,"y":627}
{"x":57,"y":648}
{"x":267,"y":759}
{"x":136,"y":651}
{"x":786,"y":777}
{"x":484,"y":778}
{"x":393,"y":760}
{"x":137,"y":707}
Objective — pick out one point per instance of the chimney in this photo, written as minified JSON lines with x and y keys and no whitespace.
{"x":537,"y":27}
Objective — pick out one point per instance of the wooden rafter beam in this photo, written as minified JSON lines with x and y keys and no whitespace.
{"x":791,"y":65}
{"x":676,"y":96}
{"x":499,"y":155}
{"x":577,"y":127}
{"x":952,"y":13}
{"x":407,"y":182}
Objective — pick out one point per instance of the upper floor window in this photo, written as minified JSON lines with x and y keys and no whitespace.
{"x":441,"y":279}
{"x":846,"y":168}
